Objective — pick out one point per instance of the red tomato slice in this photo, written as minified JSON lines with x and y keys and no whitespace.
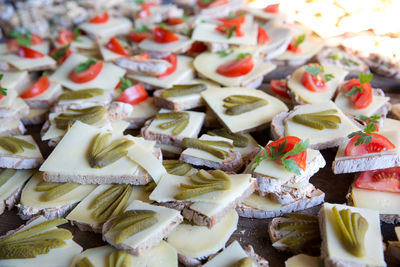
{"x":386,"y":180}
{"x":36,"y":39}
{"x":313,"y":83}
{"x":292,"y":46}
{"x":378,"y":144}
{"x":61,"y":60}
{"x":173,"y":59}
{"x":137,"y":37}
{"x":280,"y":88}
{"x":213,"y":3}
{"x":197,"y":47}
{"x":300,"y":159}
{"x":236,"y":20}
{"x":161,"y":35}
{"x":100,"y":18}
{"x":86,"y":75}
{"x":272,"y":8}
{"x":175,"y":21}
{"x":236,"y":67}
{"x":115,"y":46}
{"x":144,"y":13}
{"x":226,"y":26}
{"x":38,"y":88}
{"x":65,"y":37}
{"x":133,"y":95}
{"x":360,"y":100}
{"x":26,"y":52}
{"x":262,"y":37}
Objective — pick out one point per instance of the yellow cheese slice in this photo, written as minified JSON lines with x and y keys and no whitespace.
{"x":167,"y":216}
{"x":107,"y":79}
{"x":7,"y":101}
{"x":107,"y":54}
{"x":184,"y":72}
{"x":384,"y":202}
{"x":143,"y":110}
{"x":150,"y":45}
{"x":207,"y":63}
{"x":22,"y":63}
{"x":113,"y":27}
{"x":308,"y":50}
{"x":31,"y":198}
{"x":319,"y":136}
{"x":309,"y":97}
{"x":373,"y":237}
{"x":390,"y":125}
{"x":13,"y":183}
{"x":83,"y":42}
{"x":303,"y":260}
{"x":27,"y":153}
{"x":248,"y":120}
{"x":51,"y":93}
{"x":262,"y":203}
{"x":61,"y":256}
{"x":229,"y":256}
{"x":12,"y":79}
{"x":195,"y":121}
{"x":345,"y":104}
{"x":203,"y":241}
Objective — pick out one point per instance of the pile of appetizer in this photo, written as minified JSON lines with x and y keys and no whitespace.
{"x":150,"y":114}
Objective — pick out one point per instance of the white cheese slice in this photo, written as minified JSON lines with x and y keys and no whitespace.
{"x":107,"y":79}
{"x":114,"y":26}
{"x":334,"y":245}
{"x":7,"y":101}
{"x":390,"y":125}
{"x":248,"y":120}
{"x":51,"y":92}
{"x":201,"y":154}
{"x":168,"y":187}
{"x":161,"y":255}
{"x":262,"y":203}
{"x":319,"y":136}
{"x":308,"y":50}
{"x":31,"y":198}
{"x":261,"y":14}
{"x":203,"y":241}
{"x":27,"y":153}
{"x":19,"y":108}
{"x":13,"y":183}
{"x":57,"y":257}
{"x":83,"y":42}
{"x":167,"y":216}
{"x":119,"y":126}
{"x":206,"y":32}
{"x":150,"y":45}
{"x":69,"y":158}
{"x":10,"y":123}
{"x":22,"y":63}
{"x":207,"y":64}
{"x":143,"y":110}
{"x":14,"y":79}
{"x":309,"y":97}
{"x":229,"y":256}
{"x":303,"y":260}
{"x":195,"y":121}
{"x":107,"y":54}
{"x":275,"y":170}
{"x":279,"y":39}
{"x":249,"y":149}
{"x":184,"y":72}
{"x":384,"y":202}
{"x":345,"y":104}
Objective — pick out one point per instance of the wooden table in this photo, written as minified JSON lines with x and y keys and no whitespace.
{"x":249,"y":231}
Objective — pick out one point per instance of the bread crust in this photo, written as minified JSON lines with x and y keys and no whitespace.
{"x":232,"y":163}
{"x":176,"y":105}
{"x":19,"y":163}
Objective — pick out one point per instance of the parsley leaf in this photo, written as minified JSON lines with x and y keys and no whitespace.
{"x":85,"y":65}
{"x":370,"y":128}
{"x":373,"y":118}
{"x":77,"y":33}
{"x":138,"y":2}
{"x":60,"y":53}
{"x":365,"y":78}
{"x":364,"y":137}
{"x":299,"y":39}
{"x":224,"y":53}
{"x":328,"y":77}
{"x":314,"y":69}
{"x":22,"y":39}
{"x":298,"y":147}
{"x":141,"y":29}
{"x":230,"y":32}
{"x":291,"y":166}
{"x":125,"y":83}
{"x":163,"y":25}
{"x":185,"y":16}
{"x":188,"y":31}
{"x":205,"y":2}
{"x":3,"y":91}
{"x":354,"y":90}
{"x":243,"y":55}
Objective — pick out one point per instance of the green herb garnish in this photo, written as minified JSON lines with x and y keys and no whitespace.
{"x":141,"y":29}
{"x":243,"y":55}
{"x":22,"y":39}
{"x":365,"y":136}
{"x":60,"y":53}
{"x":224,"y":53}
{"x":125,"y":83}
{"x":315,"y":70}
{"x":3,"y":91}
{"x":85,"y":65}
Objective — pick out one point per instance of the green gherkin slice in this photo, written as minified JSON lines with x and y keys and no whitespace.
{"x":245,"y":262}
{"x":307,"y":121}
{"x":129,"y":213}
{"x":45,"y":186}
{"x":325,"y":112}
{"x":81,"y":94}
{"x":134,"y":228}
{"x":177,"y":167}
{"x":179,"y":120}
{"x":132,"y":220}
{"x":319,"y":120}
{"x":199,"y":144}
{"x":300,"y":216}
{"x":171,"y":115}
{"x":149,"y":187}
{"x":58,"y":191}
{"x":119,"y":259}
{"x":110,"y":193}
{"x":238,"y":139}
{"x":87,"y":115}
{"x":5,"y":175}
{"x":183,"y":89}
{"x":29,"y":249}
{"x":243,"y":108}
{"x":180,"y":126}
{"x":241,"y":99}
{"x":84,"y":262}
{"x":297,"y":225}
{"x":14,"y":145}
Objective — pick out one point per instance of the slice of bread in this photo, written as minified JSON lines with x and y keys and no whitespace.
{"x":176,"y":105}
{"x":233,"y":162}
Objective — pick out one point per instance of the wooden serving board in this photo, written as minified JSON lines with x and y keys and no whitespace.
{"x":250,"y":231}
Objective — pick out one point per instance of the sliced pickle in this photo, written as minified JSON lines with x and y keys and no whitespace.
{"x":5,"y":175}
{"x":119,"y":259}
{"x":45,"y":186}
{"x":353,"y":228}
{"x":238,"y":139}
{"x":239,"y":104}
{"x":14,"y":145}
{"x":179,"y":121}
{"x":245,"y":262}
{"x":171,"y":115}
{"x":241,"y":99}
{"x":325,"y":112}
{"x":149,"y":187}
{"x":134,"y":228}
{"x":129,"y":213}
{"x":297,"y":225}
{"x":125,"y":222}
{"x":81,"y":94}
{"x":180,"y":126}
{"x":183,"y":89}
{"x":199,"y":144}
{"x":58,"y":191}
{"x":298,"y":240}
{"x":84,"y":262}
{"x":29,"y":249}
{"x":177,"y":167}
{"x":87,"y":115}
{"x":319,"y":120}
{"x":306,"y":121}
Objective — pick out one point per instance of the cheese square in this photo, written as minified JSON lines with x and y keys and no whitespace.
{"x":99,"y":100}
{"x":13,"y":183}
{"x":113,"y":27}
{"x":308,"y":50}
{"x":178,"y":46}
{"x":246,"y":121}
{"x":15,"y":80}
{"x":27,"y":153}
{"x":45,"y":99}
{"x":107,"y":79}
{"x":30,"y":64}
{"x":229,"y":256}
{"x":11,"y":126}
